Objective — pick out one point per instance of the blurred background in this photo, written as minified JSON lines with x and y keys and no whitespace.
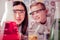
{"x":52,"y":5}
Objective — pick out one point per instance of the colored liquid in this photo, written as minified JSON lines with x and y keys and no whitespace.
{"x":32,"y":37}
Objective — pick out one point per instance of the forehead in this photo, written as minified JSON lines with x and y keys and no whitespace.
{"x":36,"y":7}
{"x":18,"y":7}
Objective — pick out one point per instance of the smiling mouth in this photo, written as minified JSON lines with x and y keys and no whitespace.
{"x":18,"y":19}
{"x":37,"y":18}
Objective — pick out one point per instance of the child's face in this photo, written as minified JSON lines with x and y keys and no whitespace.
{"x":19,"y":13}
{"x":38,"y":13}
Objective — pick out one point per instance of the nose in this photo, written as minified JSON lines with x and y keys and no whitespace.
{"x":17,"y":15}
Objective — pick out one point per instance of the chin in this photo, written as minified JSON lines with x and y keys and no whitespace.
{"x":43,"y":22}
{"x":18,"y":22}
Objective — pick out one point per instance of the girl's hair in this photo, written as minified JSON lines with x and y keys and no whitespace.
{"x":25,"y":22}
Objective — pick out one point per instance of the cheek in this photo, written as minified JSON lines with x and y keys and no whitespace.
{"x":15,"y":16}
{"x":36,"y":16}
{"x":22,"y":17}
{"x":43,"y":16}
{"x":33,"y":16}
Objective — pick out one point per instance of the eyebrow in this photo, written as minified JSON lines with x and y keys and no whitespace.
{"x":39,"y":9}
{"x":18,"y":10}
